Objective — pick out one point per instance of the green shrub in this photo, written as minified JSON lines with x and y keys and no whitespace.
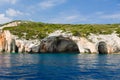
{"x":40,"y":30}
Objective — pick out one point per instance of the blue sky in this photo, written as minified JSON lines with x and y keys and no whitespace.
{"x":61,"y":11}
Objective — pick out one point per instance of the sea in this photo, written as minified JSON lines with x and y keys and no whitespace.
{"x":59,"y":66}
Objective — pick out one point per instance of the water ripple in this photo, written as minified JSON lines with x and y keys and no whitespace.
{"x":59,"y":67}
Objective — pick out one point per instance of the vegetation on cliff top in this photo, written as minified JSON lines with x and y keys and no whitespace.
{"x":33,"y":30}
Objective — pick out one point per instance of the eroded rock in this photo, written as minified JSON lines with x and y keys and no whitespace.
{"x":84,"y":45}
{"x":7,"y":42}
{"x":58,"y":44}
{"x":102,"y":48}
{"x":28,"y":46}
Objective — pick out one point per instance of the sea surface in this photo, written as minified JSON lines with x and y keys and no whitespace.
{"x":72,"y":66}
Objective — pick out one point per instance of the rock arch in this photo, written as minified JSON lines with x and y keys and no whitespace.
{"x":58,"y":44}
{"x":84,"y":45}
{"x":102,"y":47}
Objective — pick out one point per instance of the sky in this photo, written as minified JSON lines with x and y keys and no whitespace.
{"x":61,"y":11}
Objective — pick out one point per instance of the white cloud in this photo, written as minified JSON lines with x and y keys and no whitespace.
{"x":50,"y":3}
{"x":118,"y":4}
{"x":110,"y":16}
{"x":12,"y":13}
{"x":8,"y":1}
{"x":12,"y":1}
{"x":97,"y":17}
{"x":75,"y":18}
{"x":4,"y":19}
{"x":72,"y":17}
{"x":99,"y":13}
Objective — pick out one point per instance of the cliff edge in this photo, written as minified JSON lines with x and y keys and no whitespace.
{"x":41,"y":37}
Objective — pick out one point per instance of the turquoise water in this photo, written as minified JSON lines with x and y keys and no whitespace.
{"x":59,"y":67}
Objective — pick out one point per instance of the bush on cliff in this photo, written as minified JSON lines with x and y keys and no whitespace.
{"x":33,"y":30}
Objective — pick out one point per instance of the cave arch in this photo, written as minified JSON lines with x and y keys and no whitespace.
{"x":58,"y":44}
{"x":102,"y":47}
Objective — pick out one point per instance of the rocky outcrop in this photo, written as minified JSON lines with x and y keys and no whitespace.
{"x":11,"y":24}
{"x":84,"y":45}
{"x":7,"y":42}
{"x":106,"y":43}
{"x":10,"y":42}
{"x":58,"y":44}
{"x":2,"y":42}
{"x":61,"y":42}
{"x":20,"y":46}
{"x":28,"y":45}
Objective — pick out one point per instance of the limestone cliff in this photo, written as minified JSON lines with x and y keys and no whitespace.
{"x":109,"y":43}
{"x":7,"y":42}
{"x":58,"y":44}
{"x":59,"y":41}
{"x":11,"y":24}
{"x":27,"y":45}
{"x":2,"y":42}
{"x":43,"y":37}
{"x":84,"y":45}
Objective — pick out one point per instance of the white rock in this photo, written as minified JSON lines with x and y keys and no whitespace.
{"x":112,"y":41}
{"x":27,"y":45}
{"x":10,"y":41}
{"x":84,"y":44}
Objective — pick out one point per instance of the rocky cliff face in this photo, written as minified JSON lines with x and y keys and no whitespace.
{"x":84,"y":45}
{"x":61,"y":42}
{"x":58,"y":44}
{"x":2,"y":42}
{"x":110,"y":42}
{"x":7,"y":42}
{"x":27,"y":45}
{"x":94,"y":43}
{"x":12,"y":24}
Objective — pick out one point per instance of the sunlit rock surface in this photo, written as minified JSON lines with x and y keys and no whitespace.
{"x":60,"y":41}
{"x":111,"y":42}
{"x":28,"y":45}
{"x":7,"y":42}
{"x":12,"y":24}
{"x":84,"y":45}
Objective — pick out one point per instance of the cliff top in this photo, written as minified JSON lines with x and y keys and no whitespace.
{"x":33,"y":30}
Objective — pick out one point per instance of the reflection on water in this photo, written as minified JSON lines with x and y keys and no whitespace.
{"x":59,"y":67}
{"x":5,"y":60}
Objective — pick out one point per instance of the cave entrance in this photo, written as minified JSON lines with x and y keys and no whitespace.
{"x":59,"y":44}
{"x":102,"y":47}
